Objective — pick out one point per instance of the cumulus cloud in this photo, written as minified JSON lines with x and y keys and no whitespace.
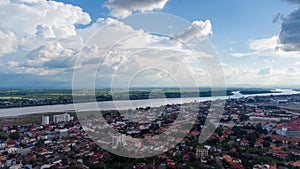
{"x":124,"y":8}
{"x":60,"y":63}
{"x":136,"y":50}
{"x":249,"y":75}
{"x":267,"y":47}
{"x":47,"y":42}
{"x":52,"y":55}
{"x":292,"y":70}
{"x":293,"y":1}
{"x":46,"y":18}
{"x":265,"y":71}
{"x":290,"y":33}
{"x":8,"y":43}
{"x":39,"y":36}
{"x":286,"y":44}
{"x":197,"y":29}
{"x":279,"y":16}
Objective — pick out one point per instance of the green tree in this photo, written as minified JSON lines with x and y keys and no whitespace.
{"x":14,"y":136}
{"x":244,"y":117}
{"x":96,"y":166}
{"x":74,"y":167}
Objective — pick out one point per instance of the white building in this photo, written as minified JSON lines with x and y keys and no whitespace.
{"x":119,"y":140}
{"x":123,"y":140}
{"x":115,"y":142}
{"x":45,"y":120}
{"x":62,"y":118}
{"x":63,"y":133}
{"x":3,"y":144}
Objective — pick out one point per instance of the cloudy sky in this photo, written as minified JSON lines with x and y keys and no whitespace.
{"x":257,"y":42}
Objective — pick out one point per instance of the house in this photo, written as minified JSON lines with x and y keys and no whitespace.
{"x":227,"y":158}
{"x":3,"y":144}
{"x":296,"y":164}
{"x":296,"y":152}
{"x":171,"y":163}
{"x":140,"y":165}
{"x":244,"y":143}
{"x":16,"y":166}
{"x":281,"y":154}
{"x":236,"y":160}
{"x":28,"y":166}
{"x":290,"y":129}
{"x":258,"y":166}
{"x":258,"y":144}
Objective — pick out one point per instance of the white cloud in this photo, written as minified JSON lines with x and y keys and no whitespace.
{"x":265,"y":71}
{"x":46,"y":42}
{"x":267,"y":47}
{"x":25,"y":18}
{"x":52,"y":58}
{"x":290,"y":35}
{"x":39,"y":35}
{"x":124,"y":8}
{"x":136,"y":50}
{"x":198,"y":29}
{"x":265,"y":76}
{"x":8,"y":43}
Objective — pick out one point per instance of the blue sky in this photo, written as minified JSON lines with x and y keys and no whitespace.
{"x":254,"y":49}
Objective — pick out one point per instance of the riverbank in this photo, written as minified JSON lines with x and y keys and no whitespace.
{"x":124,"y":105}
{"x":44,"y":97}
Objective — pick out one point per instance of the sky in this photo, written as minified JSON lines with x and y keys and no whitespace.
{"x":254,"y":43}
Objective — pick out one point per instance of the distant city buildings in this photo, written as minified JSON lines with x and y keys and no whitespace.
{"x":118,"y":140}
{"x":63,"y":133}
{"x":45,"y":120}
{"x":62,"y":118}
{"x":57,"y":118}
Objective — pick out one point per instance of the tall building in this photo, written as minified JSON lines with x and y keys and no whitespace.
{"x":123,"y":139}
{"x":61,"y":118}
{"x":63,"y":133}
{"x":115,"y":142}
{"x":201,"y":152}
{"x":119,"y":141}
{"x":45,"y":120}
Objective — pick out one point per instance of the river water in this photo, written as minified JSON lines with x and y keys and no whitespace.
{"x":110,"y":105}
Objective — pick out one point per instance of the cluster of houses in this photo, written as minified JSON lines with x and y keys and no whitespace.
{"x":66,"y":141}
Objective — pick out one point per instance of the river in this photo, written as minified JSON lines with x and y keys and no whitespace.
{"x":110,"y":105}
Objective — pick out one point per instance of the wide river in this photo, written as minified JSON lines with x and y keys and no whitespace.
{"x":110,"y":105}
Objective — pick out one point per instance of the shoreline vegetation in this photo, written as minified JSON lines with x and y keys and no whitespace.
{"x":13,"y":98}
{"x":35,"y":118}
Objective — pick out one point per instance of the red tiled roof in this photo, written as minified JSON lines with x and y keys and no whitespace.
{"x":291,"y":125}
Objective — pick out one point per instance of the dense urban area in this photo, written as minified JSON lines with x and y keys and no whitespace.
{"x":259,"y":132}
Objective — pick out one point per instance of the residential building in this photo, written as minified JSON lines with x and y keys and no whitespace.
{"x":115,"y":142}
{"x":201,"y":152}
{"x":63,"y":133}
{"x":290,"y":129}
{"x":62,"y":118}
{"x":45,"y":120}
